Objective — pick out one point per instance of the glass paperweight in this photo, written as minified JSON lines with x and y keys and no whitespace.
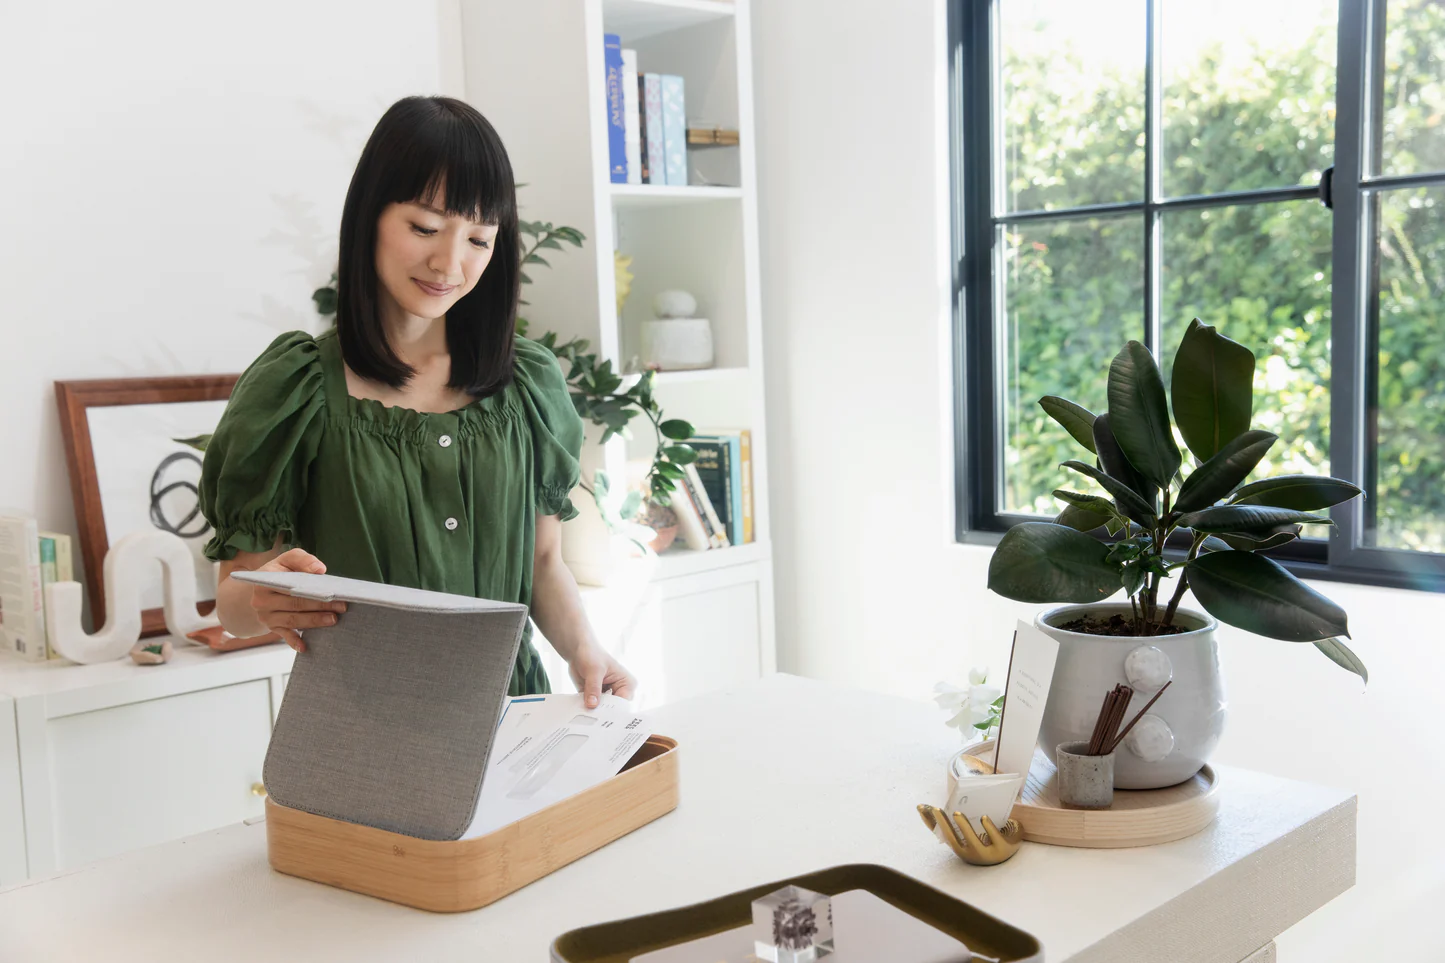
{"x":792,"y":925}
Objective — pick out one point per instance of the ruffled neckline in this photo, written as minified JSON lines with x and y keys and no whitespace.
{"x":394,"y":416}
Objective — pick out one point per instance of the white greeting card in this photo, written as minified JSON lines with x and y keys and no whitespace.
{"x":1030,"y":673}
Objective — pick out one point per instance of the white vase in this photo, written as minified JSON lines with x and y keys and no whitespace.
{"x":677,"y":344}
{"x":1181,"y":730}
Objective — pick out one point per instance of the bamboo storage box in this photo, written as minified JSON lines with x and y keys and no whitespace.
{"x":375,"y":765}
{"x":448,"y":876}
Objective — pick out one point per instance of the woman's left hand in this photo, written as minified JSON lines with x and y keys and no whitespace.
{"x":593,"y":669}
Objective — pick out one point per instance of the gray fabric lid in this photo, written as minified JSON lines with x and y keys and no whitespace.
{"x":389,"y":715}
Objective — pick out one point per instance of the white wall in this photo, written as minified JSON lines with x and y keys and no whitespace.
{"x":171,"y":180}
{"x":871,"y":589}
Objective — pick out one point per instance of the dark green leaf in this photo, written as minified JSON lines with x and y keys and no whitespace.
{"x":1139,"y":414}
{"x":668,"y":470}
{"x":1128,"y":502}
{"x":676,"y":429}
{"x":1340,"y":654}
{"x":630,"y":505}
{"x":1133,"y":578}
{"x":1043,"y":562}
{"x":1077,"y":420}
{"x":1080,"y":519}
{"x":549,"y":243}
{"x":1097,"y":504}
{"x":1261,"y":543}
{"x":536,"y":259}
{"x":1116,"y":525}
{"x":1214,"y":543}
{"x":1246,"y":519}
{"x":1305,"y":493}
{"x":1115,"y":464}
{"x":198,"y":442}
{"x":1218,"y":476}
{"x":681,"y":454}
{"x":1212,"y":388}
{"x":1256,"y":594}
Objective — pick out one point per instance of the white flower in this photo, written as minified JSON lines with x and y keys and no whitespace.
{"x":970,"y":706}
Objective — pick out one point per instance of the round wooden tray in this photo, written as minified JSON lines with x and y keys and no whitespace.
{"x":1137,"y":818}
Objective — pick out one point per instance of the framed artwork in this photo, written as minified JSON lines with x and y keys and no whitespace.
{"x":129,"y":472}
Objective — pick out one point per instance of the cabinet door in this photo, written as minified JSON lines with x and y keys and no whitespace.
{"x":12,"y":814}
{"x":147,"y":772}
{"x":711,"y":637}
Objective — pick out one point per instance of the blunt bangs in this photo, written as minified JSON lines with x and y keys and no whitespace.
{"x":419,"y":145}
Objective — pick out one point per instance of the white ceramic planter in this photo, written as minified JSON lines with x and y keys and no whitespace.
{"x":1182,"y":729}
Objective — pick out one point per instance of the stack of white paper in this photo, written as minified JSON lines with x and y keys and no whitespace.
{"x":550,"y":747}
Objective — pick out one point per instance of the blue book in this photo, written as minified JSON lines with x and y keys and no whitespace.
{"x":674,"y":130}
{"x":616,"y":111}
{"x":720,"y":463}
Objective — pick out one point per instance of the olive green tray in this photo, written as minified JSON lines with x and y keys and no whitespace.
{"x":621,"y":940}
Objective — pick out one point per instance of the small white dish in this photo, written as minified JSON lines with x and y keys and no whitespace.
{"x":977,"y":794}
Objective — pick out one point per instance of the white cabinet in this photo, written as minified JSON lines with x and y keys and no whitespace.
{"x":686,"y":633}
{"x":100,"y":759}
{"x":12,"y":828}
{"x":147,"y":772}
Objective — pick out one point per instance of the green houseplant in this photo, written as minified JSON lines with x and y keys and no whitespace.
{"x":1206,"y":528}
{"x":1146,"y":500}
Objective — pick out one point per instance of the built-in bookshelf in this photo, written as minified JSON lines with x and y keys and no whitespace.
{"x":538,"y":72}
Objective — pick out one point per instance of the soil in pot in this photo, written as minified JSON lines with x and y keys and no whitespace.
{"x":1114,"y":625}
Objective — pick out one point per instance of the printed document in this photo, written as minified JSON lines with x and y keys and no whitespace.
{"x":549,"y":747}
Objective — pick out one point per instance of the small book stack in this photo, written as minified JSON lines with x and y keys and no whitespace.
{"x":646,"y":121}
{"x":714,"y":500}
{"x":29,"y":560}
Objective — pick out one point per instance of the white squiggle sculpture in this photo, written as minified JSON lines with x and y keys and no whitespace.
{"x":123,"y":574}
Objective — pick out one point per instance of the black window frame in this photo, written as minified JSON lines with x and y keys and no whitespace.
{"x":1348,"y":188}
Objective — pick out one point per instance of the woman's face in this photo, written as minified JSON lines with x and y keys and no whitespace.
{"x":428,"y":260}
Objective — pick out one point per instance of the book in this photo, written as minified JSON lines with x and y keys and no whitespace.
{"x":645,"y":168}
{"x":717,"y":534}
{"x":616,"y":110}
{"x":56,"y":565}
{"x":652,"y":107}
{"x":714,"y":465}
{"x":22,"y":598}
{"x":689,"y":520}
{"x":674,"y":130}
{"x":632,"y":143}
{"x":740,"y":443}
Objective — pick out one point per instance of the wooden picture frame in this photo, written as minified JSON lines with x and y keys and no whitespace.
{"x":75,"y":399}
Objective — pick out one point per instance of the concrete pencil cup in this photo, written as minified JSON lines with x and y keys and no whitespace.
{"x":1085,"y":781}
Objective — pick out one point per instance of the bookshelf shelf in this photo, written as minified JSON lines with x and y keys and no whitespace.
{"x":704,"y":374}
{"x":636,"y":20}
{"x":633,"y":196}
{"x":679,"y":562}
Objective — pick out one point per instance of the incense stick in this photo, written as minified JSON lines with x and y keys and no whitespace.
{"x":1136,"y":718}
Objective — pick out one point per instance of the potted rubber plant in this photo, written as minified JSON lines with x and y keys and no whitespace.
{"x":1147,"y":499}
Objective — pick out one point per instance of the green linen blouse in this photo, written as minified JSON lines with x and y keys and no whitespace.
{"x":446,"y":502}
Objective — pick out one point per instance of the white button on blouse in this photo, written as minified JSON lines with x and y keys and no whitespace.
{"x":445,"y":441}
{"x":451,"y":524}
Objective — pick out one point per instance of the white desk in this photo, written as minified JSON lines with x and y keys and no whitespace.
{"x":799,"y":776}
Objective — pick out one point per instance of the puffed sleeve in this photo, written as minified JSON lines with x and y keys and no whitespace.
{"x":253,"y":478}
{"x":556,"y":427}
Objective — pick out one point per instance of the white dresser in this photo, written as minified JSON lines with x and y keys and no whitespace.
{"x":96,"y":760}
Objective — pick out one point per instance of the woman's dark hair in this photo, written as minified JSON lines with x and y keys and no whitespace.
{"x":421,"y":143}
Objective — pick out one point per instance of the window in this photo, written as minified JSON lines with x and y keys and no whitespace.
{"x":1276,"y":169}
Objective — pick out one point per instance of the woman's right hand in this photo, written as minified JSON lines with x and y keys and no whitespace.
{"x":286,"y":615}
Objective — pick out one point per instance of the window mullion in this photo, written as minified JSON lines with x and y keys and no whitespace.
{"x":1153,"y":176}
{"x":1347,"y":340}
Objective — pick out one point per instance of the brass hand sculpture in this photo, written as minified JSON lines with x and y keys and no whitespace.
{"x":994,"y":847}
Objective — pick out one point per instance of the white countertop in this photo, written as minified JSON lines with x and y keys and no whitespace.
{"x":778,"y":778}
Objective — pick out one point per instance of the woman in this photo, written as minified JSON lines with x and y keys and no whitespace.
{"x":420,"y":442}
